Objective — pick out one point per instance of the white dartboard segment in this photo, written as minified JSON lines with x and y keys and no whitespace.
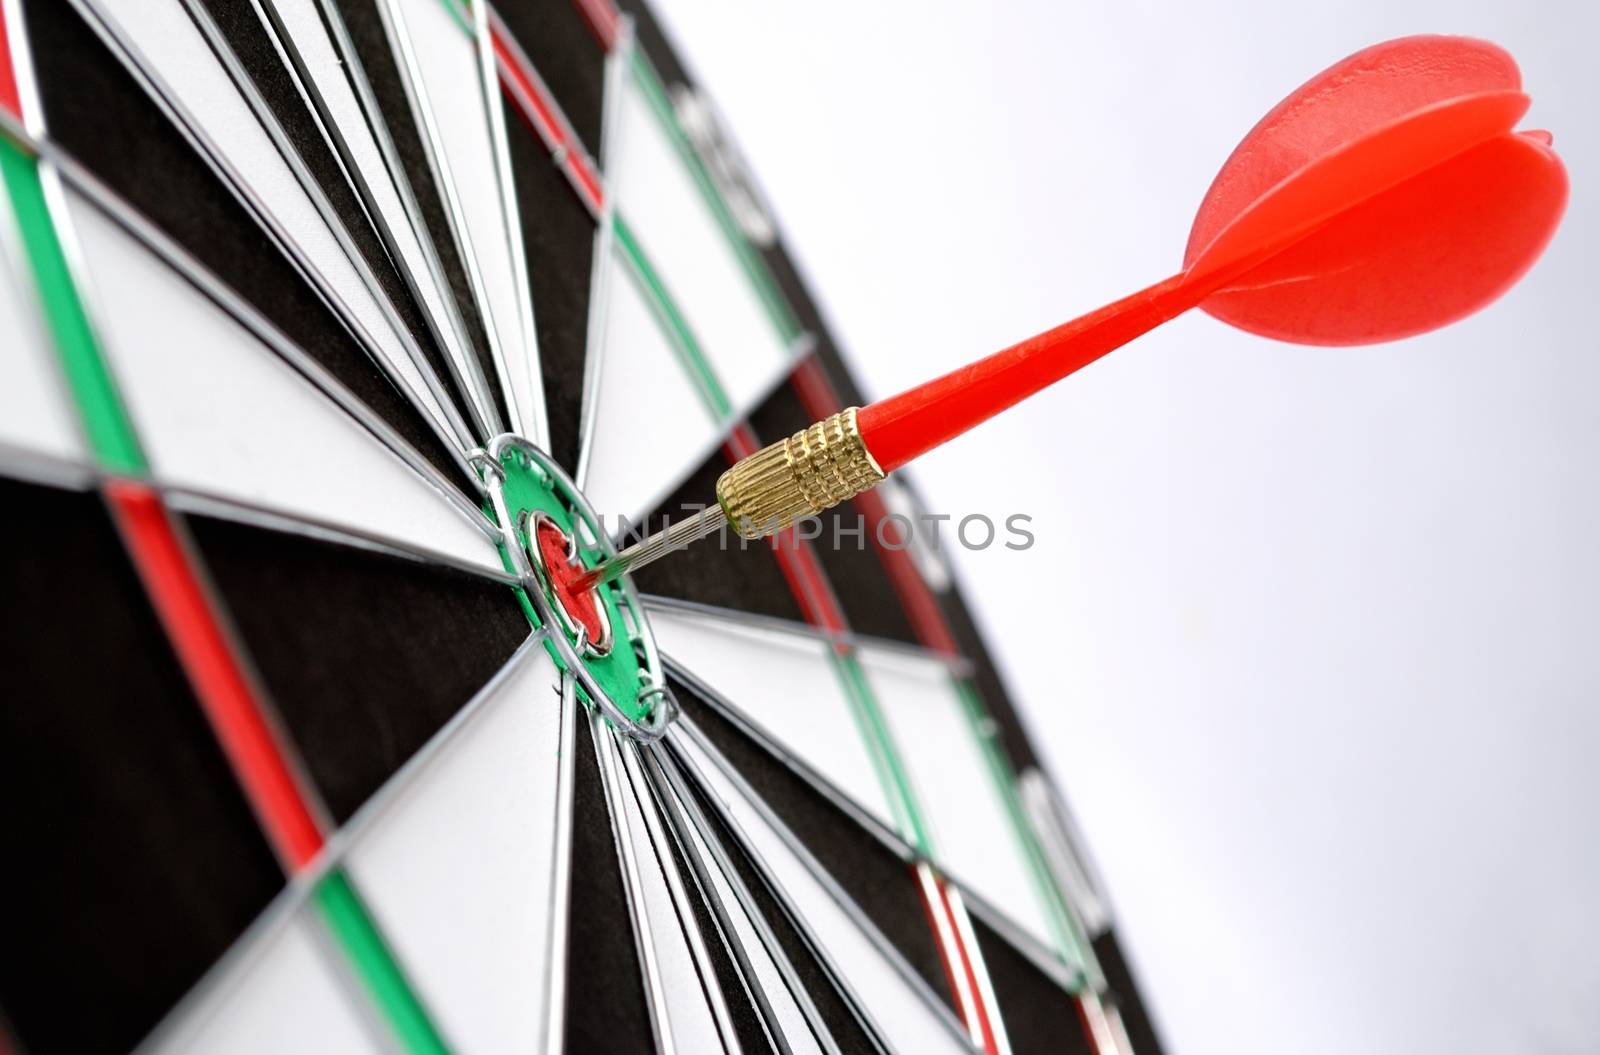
{"x":330,"y":88}
{"x":786,"y":684}
{"x":962,"y":807}
{"x":657,"y":196}
{"x":738,"y":931}
{"x":279,"y":992}
{"x":909,"y":1017}
{"x":444,"y":42}
{"x":689,"y":986}
{"x":163,"y":41}
{"x":36,"y":411}
{"x":649,"y":428}
{"x":457,"y":860}
{"x":217,"y":411}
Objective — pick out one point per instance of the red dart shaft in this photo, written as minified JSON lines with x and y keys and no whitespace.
{"x":881,"y":438}
{"x":900,"y":428}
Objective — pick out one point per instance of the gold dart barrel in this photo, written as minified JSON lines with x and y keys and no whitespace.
{"x":813,"y":470}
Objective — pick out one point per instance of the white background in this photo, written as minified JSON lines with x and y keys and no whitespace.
{"x":1309,"y":635}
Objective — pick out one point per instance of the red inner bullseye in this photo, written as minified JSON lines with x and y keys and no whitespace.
{"x":582,"y":606}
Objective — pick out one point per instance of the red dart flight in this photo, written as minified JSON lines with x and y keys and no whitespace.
{"x":1385,"y":197}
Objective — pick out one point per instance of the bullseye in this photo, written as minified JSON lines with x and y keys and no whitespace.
{"x":581,"y":605}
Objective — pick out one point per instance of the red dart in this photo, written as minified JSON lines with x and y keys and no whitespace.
{"x":1385,"y":197}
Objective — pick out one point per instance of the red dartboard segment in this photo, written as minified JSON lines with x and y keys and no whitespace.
{"x":9,"y":97}
{"x":603,"y":18}
{"x":890,"y":541}
{"x":981,"y":1019}
{"x":807,"y":581}
{"x":526,"y":90}
{"x":956,"y":973}
{"x":271,"y":782}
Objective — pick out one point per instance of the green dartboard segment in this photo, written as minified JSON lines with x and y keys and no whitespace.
{"x":893,"y":777}
{"x":1070,"y":939}
{"x":772,"y":299}
{"x":374,"y":963}
{"x":105,"y":420}
{"x":669,"y":317}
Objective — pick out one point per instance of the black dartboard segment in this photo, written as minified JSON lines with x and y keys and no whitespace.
{"x":1125,"y":993}
{"x":374,"y":51}
{"x":133,"y":859}
{"x":252,"y":44}
{"x":880,"y":883}
{"x":833,"y":1007}
{"x":742,"y":577}
{"x":365,"y":656}
{"x":1039,"y":1017}
{"x":558,"y":236}
{"x":570,"y":60}
{"x":603,"y":970}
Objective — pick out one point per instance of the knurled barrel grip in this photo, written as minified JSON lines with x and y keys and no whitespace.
{"x":813,"y":470}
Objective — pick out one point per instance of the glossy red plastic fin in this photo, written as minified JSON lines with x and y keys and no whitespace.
{"x":1363,"y":167}
{"x":1375,"y":87}
{"x":1424,"y":253}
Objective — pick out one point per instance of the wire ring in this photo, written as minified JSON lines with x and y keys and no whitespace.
{"x":488,"y":469}
{"x":663,"y":705}
{"x":529,"y":522}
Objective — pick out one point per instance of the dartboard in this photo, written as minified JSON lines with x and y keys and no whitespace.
{"x":330,"y":328}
